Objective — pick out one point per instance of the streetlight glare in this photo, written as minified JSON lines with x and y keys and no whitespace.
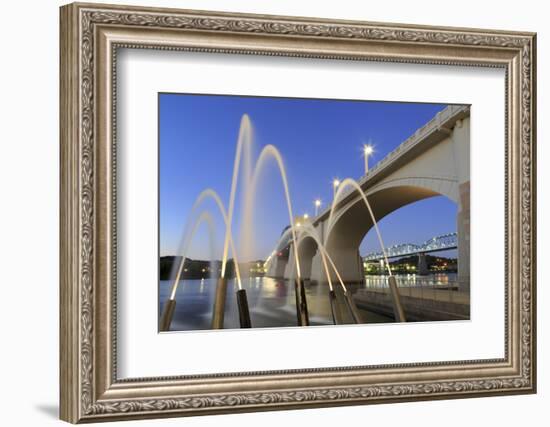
{"x":367,"y":150}
{"x":306,"y":216}
{"x":317,"y":206}
{"x":335,"y":185}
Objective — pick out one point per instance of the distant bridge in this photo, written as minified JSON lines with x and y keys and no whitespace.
{"x":435,"y":244}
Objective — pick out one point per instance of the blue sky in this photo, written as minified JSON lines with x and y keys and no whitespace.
{"x":319,"y":140}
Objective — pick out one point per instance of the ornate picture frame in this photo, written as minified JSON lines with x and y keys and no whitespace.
{"x":90,"y":37}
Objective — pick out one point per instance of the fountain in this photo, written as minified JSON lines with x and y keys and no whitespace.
{"x":250,"y":178}
{"x":219,"y":304}
{"x":170,"y":304}
{"x":270,"y":151}
{"x":244,"y":139}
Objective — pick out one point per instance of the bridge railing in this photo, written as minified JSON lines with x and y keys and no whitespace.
{"x":433,"y":125}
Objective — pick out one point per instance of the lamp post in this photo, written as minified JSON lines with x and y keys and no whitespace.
{"x":367,"y":151}
{"x":335,"y":185}
{"x":317,"y":206}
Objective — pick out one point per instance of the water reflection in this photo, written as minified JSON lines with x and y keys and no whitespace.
{"x":271,"y":301}
{"x":414,"y":280}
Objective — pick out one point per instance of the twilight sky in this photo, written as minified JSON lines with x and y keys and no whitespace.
{"x":319,"y":140}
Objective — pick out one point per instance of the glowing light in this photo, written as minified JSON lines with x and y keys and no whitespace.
{"x":335,"y":184}
{"x":367,"y":150}
{"x":317,"y":206}
{"x":306,"y":216}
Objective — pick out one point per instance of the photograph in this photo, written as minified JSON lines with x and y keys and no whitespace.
{"x":294,"y":212}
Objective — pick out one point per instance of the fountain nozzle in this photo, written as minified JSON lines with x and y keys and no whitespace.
{"x":167,"y":315}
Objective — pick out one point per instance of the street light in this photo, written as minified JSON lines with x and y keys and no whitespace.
{"x":317,"y":206}
{"x":335,"y":185}
{"x":306,"y":216}
{"x":367,"y":151}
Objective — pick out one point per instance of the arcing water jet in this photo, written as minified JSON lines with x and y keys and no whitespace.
{"x":349,"y":182}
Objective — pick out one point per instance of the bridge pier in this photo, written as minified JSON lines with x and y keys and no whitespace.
{"x":463,"y":228}
{"x":317,"y":273}
{"x":422,"y":267}
{"x":461,"y":142}
{"x":307,"y":248}
{"x":277,"y":266}
{"x":290,"y":268}
{"x":348,"y":261}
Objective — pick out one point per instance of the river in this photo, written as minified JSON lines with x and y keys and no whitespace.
{"x":272,"y":301}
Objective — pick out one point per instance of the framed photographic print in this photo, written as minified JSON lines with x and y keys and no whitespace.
{"x":264,"y":212}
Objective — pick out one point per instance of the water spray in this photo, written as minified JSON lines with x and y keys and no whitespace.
{"x":219,"y":303}
{"x":170,"y":304}
{"x":270,"y":151}
{"x":349,"y":182}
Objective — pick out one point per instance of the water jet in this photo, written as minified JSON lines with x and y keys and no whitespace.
{"x":392,"y":284}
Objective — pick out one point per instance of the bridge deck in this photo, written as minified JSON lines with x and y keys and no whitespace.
{"x":426,"y":136}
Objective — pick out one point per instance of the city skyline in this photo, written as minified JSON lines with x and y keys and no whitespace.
{"x":320,"y":140}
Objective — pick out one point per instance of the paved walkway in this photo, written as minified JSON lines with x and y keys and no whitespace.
{"x":419,"y":303}
{"x":429,"y":292}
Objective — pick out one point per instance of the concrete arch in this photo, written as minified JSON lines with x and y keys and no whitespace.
{"x":444,"y":185}
{"x":353,"y":222}
{"x":354,"y":219}
{"x":307,"y":249}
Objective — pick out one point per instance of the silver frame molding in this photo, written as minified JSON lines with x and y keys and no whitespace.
{"x":90,"y":37}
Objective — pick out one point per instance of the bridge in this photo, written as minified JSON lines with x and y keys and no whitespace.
{"x":435,"y":244}
{"x":444,"y":242}
{"x":433,"y":161}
